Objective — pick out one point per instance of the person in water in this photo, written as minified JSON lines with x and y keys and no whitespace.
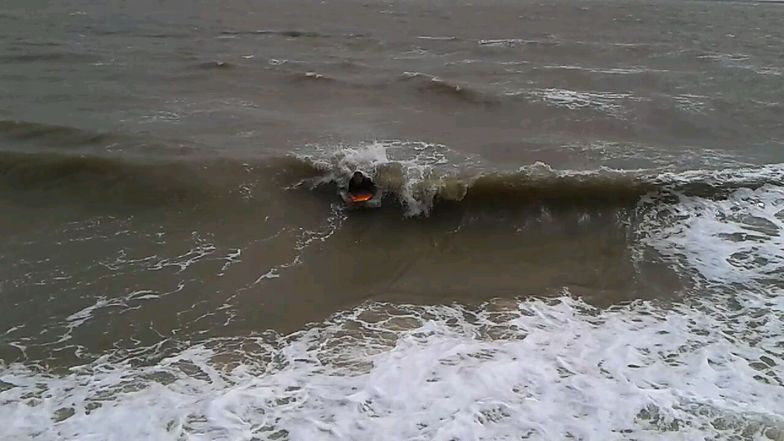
{"x":360,"y":183}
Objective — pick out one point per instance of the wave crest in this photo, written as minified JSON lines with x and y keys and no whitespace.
{"x":418,"y":176}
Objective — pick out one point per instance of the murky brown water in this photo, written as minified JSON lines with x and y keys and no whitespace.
{"x":169,"y":170}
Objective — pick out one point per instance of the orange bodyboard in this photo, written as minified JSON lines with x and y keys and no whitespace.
{"x":361,"y":197}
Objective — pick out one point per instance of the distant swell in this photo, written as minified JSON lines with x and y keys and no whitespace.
{"x":33,"y":137}
{"x":112,"y":183}
{"x":410,"y":83}
{"x":49,"y":57}
{"x":436,"y":86}
{"x":290,"y":33}
{"x":93,"y":179}
{"x":59,"y":135}
{"x":293,"y":33}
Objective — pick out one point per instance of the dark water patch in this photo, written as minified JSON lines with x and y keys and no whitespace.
{"x":134,"y":31}
{"x":166,"y":35}
{"x":296,"y":33}
{"x":288,"y":33}
{"x":24,"y":42}
{"x":51,"y":135}
{"x":49,"y":57}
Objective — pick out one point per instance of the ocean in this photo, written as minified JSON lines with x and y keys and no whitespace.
{"x":581,"y":237}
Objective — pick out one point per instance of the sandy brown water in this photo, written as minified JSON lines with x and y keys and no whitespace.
{"x":169,"y":176}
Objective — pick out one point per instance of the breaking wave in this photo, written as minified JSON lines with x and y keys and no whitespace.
{"x":436,"y":86}
{"x":421,"y":176}
{"x":417,"y":176}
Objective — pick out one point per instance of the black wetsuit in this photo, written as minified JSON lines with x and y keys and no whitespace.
{"x":366,"y":186}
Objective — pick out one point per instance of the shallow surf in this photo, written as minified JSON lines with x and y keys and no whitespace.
{"x":580,"y":236}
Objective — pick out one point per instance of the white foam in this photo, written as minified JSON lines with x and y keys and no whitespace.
{"x":631,"y":70}
{"x":187,"y":259}
{"x":509,"y":42}
{"x":607,"y":102}
{"x":544,"y":369}
{"x":271,"y":274}
{"x":692,"y":103}
{"x":403,"y":168}
{"x":124,"y":302}
{"x":738,"y":239}
{"x":232,"y":257}
{"x":160,"y":116}
{"x":656,"y":158}
{"x":331,"y":225}
{"x":436,"y":38}
{"x":734,"y":176}
{"x":742,"y":61}
{"x":305,"y":239}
